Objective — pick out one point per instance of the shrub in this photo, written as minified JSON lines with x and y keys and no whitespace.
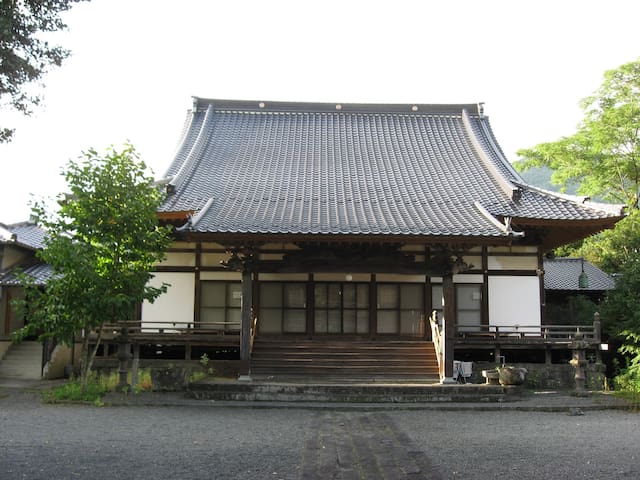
{"x":629,"y":378}
{"x":97,"y":387}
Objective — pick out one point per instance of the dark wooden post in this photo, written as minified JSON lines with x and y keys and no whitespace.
{"x":124,"y":354}
{"x":449,"y":311}
{"x":597,"y":328}
{"x":247,"y":301}
{"x":597,"y":336}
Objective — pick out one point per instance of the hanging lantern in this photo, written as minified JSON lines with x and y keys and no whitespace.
{"x":583,"y":278}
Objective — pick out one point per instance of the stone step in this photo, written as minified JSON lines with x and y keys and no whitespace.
{"x":23,"y":360}
{"x":349,"y":393}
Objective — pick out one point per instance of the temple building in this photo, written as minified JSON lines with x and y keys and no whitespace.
{"x":331,"y":228}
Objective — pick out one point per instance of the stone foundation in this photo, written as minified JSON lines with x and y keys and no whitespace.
{"x":543,"y":376}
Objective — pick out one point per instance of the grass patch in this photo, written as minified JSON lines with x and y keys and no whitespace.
{"x":72,"y":392}
{"x":633,"y":397}
{"x":97,"y":387}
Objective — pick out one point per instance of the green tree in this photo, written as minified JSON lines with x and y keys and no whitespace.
{"x":613,"y":249}
{"x":25,"y":58}
{"x":102,"y":243}
{"x":621,"y":307}
{"x":603,"y":156}
{"x":603,"y":159}
{"x":621,"y":319}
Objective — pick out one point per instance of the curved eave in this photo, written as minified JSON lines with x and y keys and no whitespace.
{"x":555,"y":233}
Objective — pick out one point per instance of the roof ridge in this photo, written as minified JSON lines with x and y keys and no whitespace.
{"x":192,"y":156}
{"x":336,"y":107}
{"x":511,"y":190}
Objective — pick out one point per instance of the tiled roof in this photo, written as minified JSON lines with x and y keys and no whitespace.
{"x":26,"y":234}
{"x":40,"y":273}
{"x":424,"y":170}
{"x":563,"y":273}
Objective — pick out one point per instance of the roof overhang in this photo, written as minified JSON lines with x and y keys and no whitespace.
{"x":555,"y":233}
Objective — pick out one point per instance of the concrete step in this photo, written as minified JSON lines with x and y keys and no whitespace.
{"x":23,"y":360}
{"x":349,"y":393}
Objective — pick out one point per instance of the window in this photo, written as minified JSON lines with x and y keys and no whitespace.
{"x":468,"y":298}
{"x":341,"y":308}
{"x":401,"y":309}
{"x":220,"y":305}
{"x":283,"y":307}
{"x":437,"y":303}
{"x":468,"y":307}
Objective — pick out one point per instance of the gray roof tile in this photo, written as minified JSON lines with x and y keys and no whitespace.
{"x":26,"y":234}
{"x":40,"y":273}
{"x":360,"y":169}
{"x":562,"y":274}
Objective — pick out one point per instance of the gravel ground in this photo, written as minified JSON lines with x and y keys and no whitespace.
{"x":57,"y":442}
{"x":527,"y":445}
{"x":202,"y":442}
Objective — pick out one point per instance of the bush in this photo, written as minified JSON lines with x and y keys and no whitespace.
{"x":629,"y":378}
{"x":97,"y":387}
{"x":72,"y":392}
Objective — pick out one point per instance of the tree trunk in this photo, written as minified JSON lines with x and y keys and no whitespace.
{"x":87,"y":358}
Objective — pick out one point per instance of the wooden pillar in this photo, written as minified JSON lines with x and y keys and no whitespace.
{"x":311,"y":313}
{"x":449,"y":324}
{"x":484,"y":312}
{"x":197,"y":294}
{"x":247,"y":300}
{"x":373,"y":306}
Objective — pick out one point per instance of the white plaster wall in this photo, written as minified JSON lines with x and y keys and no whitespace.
{"x":11,"y":257}
{"x":512,"y":263}
{"x":466,"y":278}
{"x":224,"y":276}
{"x":179,"y":259}
{"x":176,"y":305}
{"x":514,"y":301}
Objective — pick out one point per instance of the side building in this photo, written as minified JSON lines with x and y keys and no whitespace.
{"x":19,"y":243}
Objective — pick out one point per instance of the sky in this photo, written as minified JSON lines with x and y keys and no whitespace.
{"x":136,"y":64}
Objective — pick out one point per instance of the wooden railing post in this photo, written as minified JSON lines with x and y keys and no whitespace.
{"x":597,"y":328}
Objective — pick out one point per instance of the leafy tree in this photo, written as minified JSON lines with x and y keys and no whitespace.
{"x":25,"y":58}
{"x":621,"y":319}
{"x":629,"y":377}
{"x":613,"y":249}
{"x":101,"y":243}
{"x":603,"y":159}
{"x":603,"y":156}
{"x":621,"y":307}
